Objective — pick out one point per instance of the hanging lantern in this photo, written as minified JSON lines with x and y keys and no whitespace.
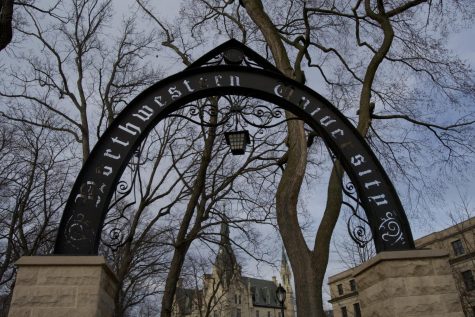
{"x":237,"y":141}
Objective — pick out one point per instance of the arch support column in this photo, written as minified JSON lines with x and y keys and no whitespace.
{"x":414,"y":283}
{"x":71,"y":286}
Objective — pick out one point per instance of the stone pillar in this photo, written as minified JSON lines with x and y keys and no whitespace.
{"x":63,"y":286}
{"x":408,"y":283}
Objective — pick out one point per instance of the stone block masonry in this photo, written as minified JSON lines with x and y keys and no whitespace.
{"x":63,"y":286}
{"x":415,"y":283}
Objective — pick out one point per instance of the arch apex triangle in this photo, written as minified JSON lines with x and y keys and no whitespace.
{"x":249,"y":55}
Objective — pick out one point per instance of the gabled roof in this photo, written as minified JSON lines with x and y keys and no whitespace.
{"x":262,"y":291}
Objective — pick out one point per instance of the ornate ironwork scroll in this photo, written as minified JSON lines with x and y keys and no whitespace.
{"x":116,"y":227}
{"x":233,"y":112}
{"x":357,"y":225}
{"x":391,"y":229}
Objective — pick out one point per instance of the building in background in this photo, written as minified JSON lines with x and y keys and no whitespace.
{"x":458,"y":240}
{"x":227,"y":293}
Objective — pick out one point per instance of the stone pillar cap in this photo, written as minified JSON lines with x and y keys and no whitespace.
{"x":66,"y":260}
{"x":62,"y":260}
{"x":400,"y":255}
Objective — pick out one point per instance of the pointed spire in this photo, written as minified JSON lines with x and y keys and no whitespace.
{"x":224,"y":233}
{"x":285,"y":273}
{"x":284,"y":257}
{"x":226,"y":264}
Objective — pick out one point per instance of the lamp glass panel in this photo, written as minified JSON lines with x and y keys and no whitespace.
{"x":237,"y":141}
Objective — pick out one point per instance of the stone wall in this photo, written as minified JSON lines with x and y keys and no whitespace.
{"x":408,"y":283}
{"x":63,"y":286}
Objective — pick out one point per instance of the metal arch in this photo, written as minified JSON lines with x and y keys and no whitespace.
{"x":85,"y":211}
{"x":234,"y":45}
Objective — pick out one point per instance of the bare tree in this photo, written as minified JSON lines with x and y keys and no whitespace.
{"x":153,"y":199}
{"x":77,"y":72}
{"x":8,"y":20}
{"x":83,"y":75}
{"x":81,"y":69}
{"x":390,"y":46}
{"x":214,"y":180}
{"x":35,"y":180}
{"x":136,"y":238}
{"x":351,"y":254}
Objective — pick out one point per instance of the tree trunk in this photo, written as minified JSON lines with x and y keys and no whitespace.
{"x":172,"y":279}
{"x":308,"y":266}
{"x":6,"y":19}
{"x":184,"y":239}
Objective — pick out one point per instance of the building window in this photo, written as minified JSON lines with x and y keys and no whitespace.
{"x":257,"y":313}
{"x":353,"y":285}
{"x":468,"y":280}
{"x":268,"y":314}
{"x":457,"y":246}
{"x":235,"y":299}
{"x":356,"y":307}
{"x":266,"y":295}
{"x":344,"y":313}
{"x":239,"y":299}
{"x":238,"y":313}
{"x":340,"y":289}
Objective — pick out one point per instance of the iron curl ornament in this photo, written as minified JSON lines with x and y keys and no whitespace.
{"x":393,"y":232}
{"x":234,"y":113}
{"x":115,"y":230}
{"x":358,"y":227}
